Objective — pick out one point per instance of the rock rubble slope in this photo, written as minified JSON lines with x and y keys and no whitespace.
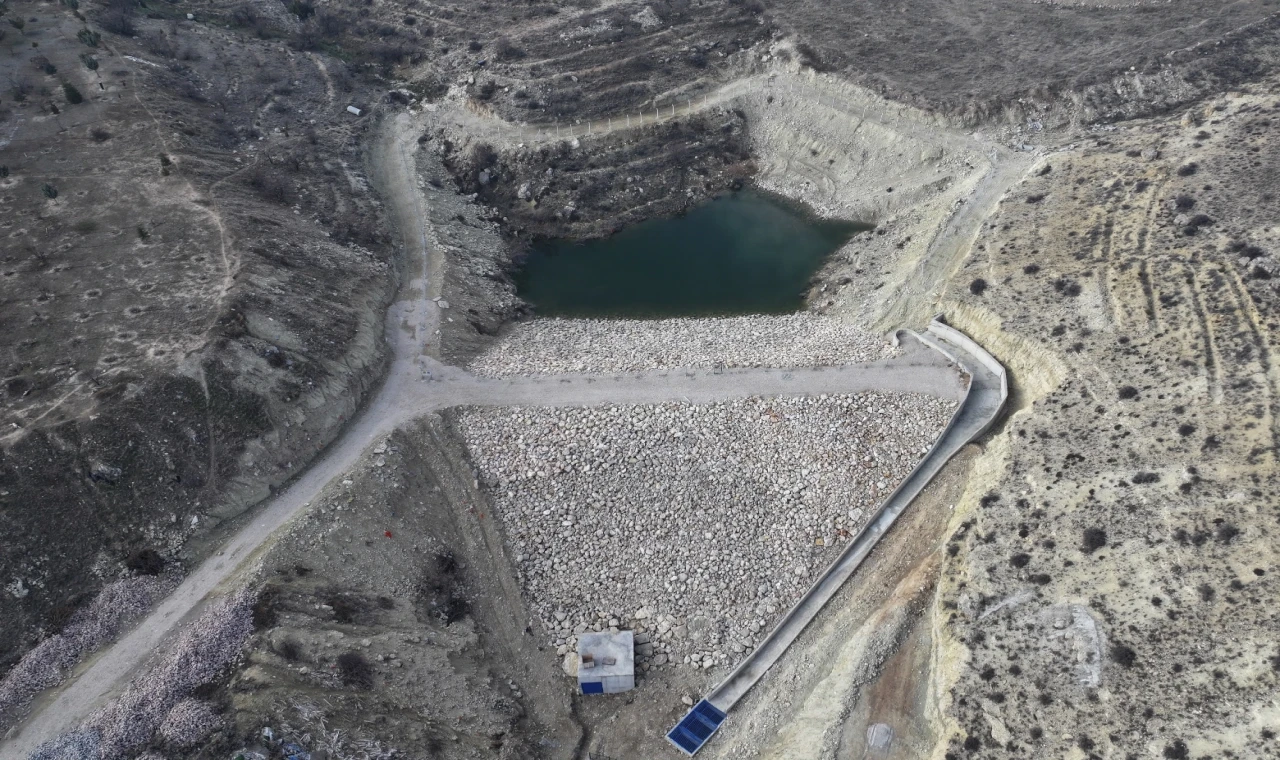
{"x":552,"y":346}
{"x":694,"y":525}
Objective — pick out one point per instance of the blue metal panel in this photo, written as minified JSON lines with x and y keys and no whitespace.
{"x":696,"y":727}
{"x":592,"y":687}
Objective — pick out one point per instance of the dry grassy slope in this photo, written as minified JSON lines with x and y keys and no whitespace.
{"x":377,"y":567}
{"x":1013,"y":59}
{"x":1110,"y":586}
{"x":182,"y":333}
{"x":595,"y":59}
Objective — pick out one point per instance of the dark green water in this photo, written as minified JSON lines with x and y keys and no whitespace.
{"x":744,"y":253}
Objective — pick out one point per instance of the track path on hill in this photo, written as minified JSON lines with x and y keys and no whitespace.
{"x":417,"y":383}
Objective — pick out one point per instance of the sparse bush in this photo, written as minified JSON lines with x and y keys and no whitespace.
{"x":1143,"y":478}
{"x":270,"y":184}
{"x":244,"y":15}
{"x":1067,"y":287}
{"x":483,"y":155}
{"x":447,"y":564}
{"x":302,"y":9}
{"x":1128,"y":393}
{"x":330,"y":24}
{"x":505,"y":50}
{"x":1184,"y":202}
{"x":49,"y":191}
{"x":1035,"y":197}
{"x":354,"y":670}
{"x":118,"y":18}
{"x":346,"y":608}
{"x":1094,"y":539}
{"x":475,"y":46}
{"x":143,"y":233}
{"x":1186,"y":170}
{"x":1123,"y":655}
{"x":145,"y":562}
{"x":99,"y":134}
{"x":1177,"y":751}
{"x":89,"y":61}
{"x":264,"y":607}
{"x":85,"y":226}
{"x":289,"y":649}
{"x":978,"y":286}
{"x":1020,"y":560}
{"x":810,"y":57}
{"x":88,"y":37}
{"x":44,"y":64}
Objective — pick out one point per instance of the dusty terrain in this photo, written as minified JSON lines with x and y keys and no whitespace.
{"x":195,"y":281}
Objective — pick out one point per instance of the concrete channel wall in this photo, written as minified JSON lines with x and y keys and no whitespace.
{"x":977,"y":412}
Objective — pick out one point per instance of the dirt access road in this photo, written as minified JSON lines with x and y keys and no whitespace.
{"x":417,"y":383}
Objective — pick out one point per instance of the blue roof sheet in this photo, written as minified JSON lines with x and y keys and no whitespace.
{"x":696,"y":727}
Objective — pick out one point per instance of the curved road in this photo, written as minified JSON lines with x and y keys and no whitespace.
{"x":417,"y":383}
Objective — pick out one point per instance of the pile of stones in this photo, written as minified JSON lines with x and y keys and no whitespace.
{"x":696,"y":526}
{"x":554,"y":346}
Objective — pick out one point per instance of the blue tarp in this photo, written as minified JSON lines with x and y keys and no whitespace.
{"x":696,"y":727}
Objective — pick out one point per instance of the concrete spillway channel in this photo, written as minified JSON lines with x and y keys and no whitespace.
{"x":984,"y":399}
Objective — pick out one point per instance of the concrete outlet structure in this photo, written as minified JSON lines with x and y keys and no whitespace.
{"x":606,"y":662}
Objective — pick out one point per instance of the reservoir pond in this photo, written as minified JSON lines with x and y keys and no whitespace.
{"x":743,"y":253}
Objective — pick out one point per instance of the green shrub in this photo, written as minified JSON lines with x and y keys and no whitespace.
{"x":88,"y":37}
{"x":355,"y":670}
{"x":49,"y":191}
{"x":73,"y":95}
{"x":145,"y":562}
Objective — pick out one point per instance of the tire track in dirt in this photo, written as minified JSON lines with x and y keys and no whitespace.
{"x":1261,"y":341}
{"x":1212,"y":361}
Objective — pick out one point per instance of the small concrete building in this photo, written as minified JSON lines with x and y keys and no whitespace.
{"x":606,"y":662}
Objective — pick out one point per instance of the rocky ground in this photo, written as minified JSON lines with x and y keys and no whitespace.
{"x":550,"y":346}
{"x":193,"y":282}
{"x":1119,"y":561}
{"x":228,"y":323}
{"x":384,"y":628}
{"x":696,"y":526}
